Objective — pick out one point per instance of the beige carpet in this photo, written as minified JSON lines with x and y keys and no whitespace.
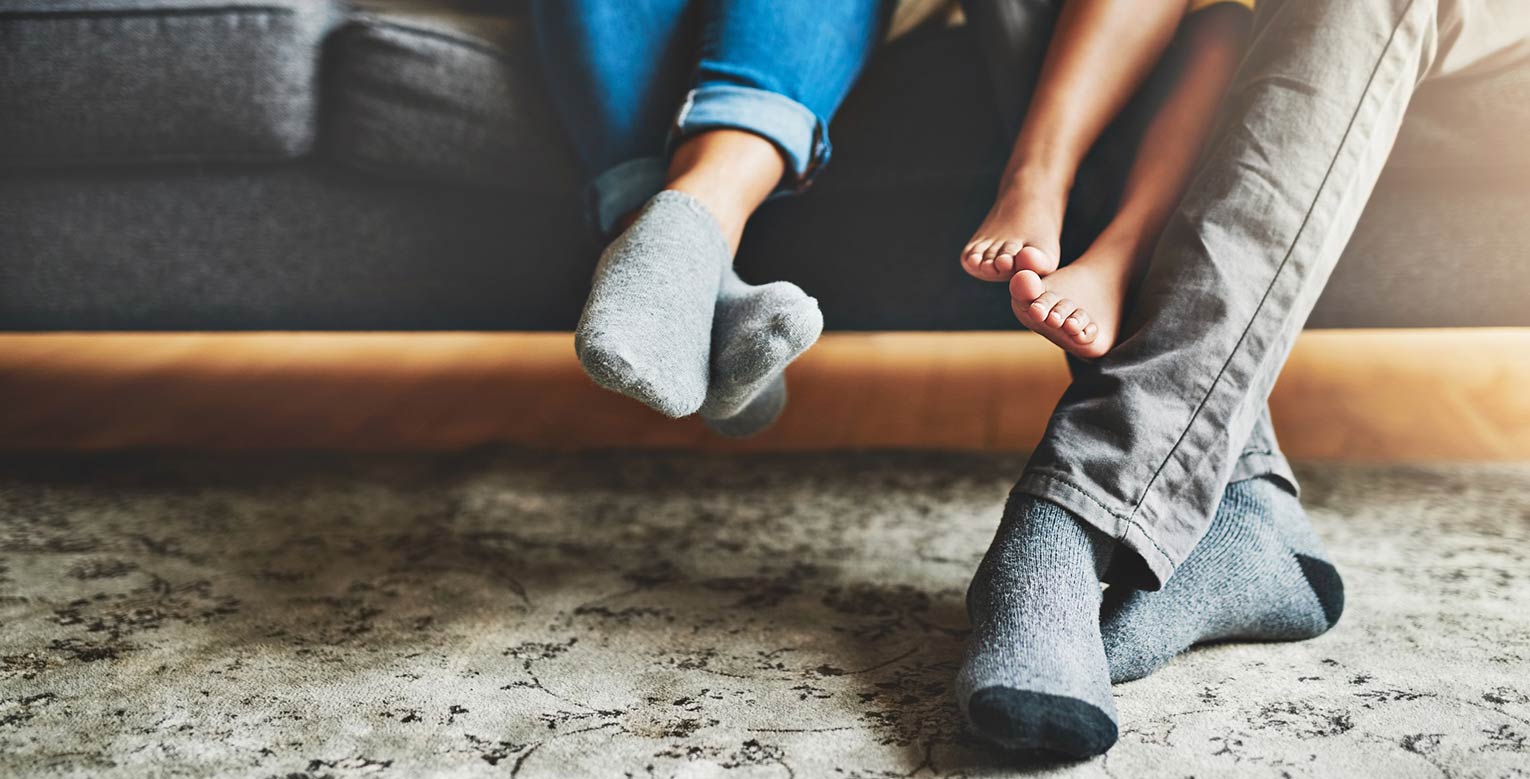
{"x":513,"y":614}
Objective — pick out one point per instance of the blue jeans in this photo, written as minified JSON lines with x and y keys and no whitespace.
{"x":631,"y":77}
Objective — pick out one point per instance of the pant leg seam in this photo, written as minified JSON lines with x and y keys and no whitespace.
{"x":1284,"y":263}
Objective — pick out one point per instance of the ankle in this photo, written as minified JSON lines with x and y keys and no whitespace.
{"x":1050,"y":523}
{"x":728,"y":209}
{"x":1122,"y":249}
{"x":1040,"y":177}
{"x":729,"y":171}
{"x":1136,"y":228}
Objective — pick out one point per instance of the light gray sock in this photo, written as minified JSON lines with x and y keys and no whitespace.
{"x":1259,"y":574}
{"x":756,"y":332}
{"x":646,"y":330}
{"x":756,"y":415}
{"x":1035,"y":675}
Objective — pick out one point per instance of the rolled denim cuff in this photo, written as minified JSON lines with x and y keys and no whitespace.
{"x":622,"y":189}
{"x":792,"y":127}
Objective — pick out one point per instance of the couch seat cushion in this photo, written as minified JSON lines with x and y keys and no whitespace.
{"x":444,"y":91}
{"x":1470,"y":127}
{"x":126,"y":81}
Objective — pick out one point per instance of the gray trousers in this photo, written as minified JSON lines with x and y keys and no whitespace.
{"x":1145,"y":440}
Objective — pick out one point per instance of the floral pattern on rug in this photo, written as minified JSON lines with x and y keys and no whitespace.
{"x":639,"y":615}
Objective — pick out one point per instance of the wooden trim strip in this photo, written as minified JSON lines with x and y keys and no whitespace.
{"x":1383,"y":395}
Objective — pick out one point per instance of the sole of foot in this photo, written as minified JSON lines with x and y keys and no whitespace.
{"x":756,"y":416}
{"x":771,"y":344}
{"x":759,"y":331}
{"x":1078,"y":308}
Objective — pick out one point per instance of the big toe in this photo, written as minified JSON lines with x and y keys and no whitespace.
{"x":1026,"y":286}
{"x":1037,"y":259}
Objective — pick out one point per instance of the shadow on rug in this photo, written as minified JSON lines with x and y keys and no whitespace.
{"x":516,"y":614}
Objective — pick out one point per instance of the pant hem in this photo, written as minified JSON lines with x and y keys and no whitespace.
{"x":1157,"y":566}
{"x":791,"y":126}
{"x":622,"y":189}
{"x":1253,"y":465}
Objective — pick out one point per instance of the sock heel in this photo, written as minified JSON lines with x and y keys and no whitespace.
{"x":1326,"y":585}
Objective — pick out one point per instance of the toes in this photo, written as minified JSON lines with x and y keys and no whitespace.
{"x":1075,"y":323}
{"x":1037,"y":259}
{"x":1091,"y":332}
{"x":1004,"y":260}
{"x":992,"y":250}
{"x":1042,"y":306}
{"x":972,"y":255}
{"x":1025,"y":287}
{"x":1003,"y":265}
{"x":1060,"y":312}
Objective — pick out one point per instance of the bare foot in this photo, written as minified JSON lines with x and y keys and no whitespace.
{"x":1021,"y":232}
{"x":1078,"y":307}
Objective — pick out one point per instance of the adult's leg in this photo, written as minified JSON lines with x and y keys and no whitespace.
{"x":1145,"y":439}
{"x":1259,"y":574}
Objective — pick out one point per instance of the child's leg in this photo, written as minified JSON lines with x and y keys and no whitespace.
{"x":769,"y":76}
{"x":1080,"y":307}
{"x":617,"y":71}
{"x":1101,"y":51}
{"x":773,"y":70}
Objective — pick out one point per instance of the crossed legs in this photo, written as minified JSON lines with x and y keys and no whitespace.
{"x":1144,"y":445}
{"x":689,"y":114}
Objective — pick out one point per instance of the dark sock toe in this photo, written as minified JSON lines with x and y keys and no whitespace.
{"x":1025,"y":719}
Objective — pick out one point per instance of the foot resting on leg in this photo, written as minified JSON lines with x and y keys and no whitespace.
{"x":757,"y":332}
{"x":1080,"y":307}
{"x":1035,"y":675}
{"x":1260,"y":574}
{"x":646,"y":330}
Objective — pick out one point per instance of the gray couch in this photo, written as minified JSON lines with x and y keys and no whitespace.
{"x":306,"y":164}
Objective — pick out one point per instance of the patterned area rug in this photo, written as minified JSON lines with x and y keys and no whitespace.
{"x":514,"y":614}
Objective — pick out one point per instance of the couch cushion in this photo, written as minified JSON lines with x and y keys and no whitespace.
{"x":122,"y":81}
{"x":312,"y":246}
{"x":1469,"y":128}
{"x":444,"y":91}
{"x":448,"y":91}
